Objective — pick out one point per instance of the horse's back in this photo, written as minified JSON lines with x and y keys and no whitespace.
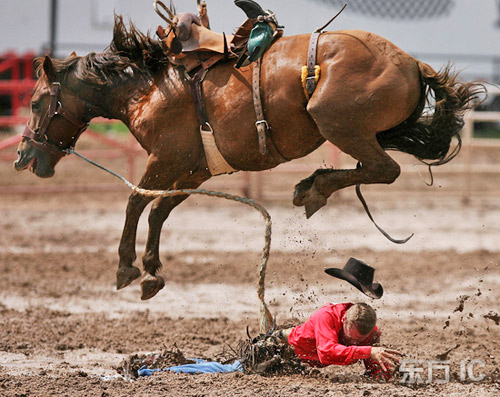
{"x":353,"y":57}
{"x":363,"y":76}
{"x":368,"y":45}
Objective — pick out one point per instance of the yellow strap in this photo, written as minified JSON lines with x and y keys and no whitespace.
{"x":303,"y":78}
{"x":317,"y":73}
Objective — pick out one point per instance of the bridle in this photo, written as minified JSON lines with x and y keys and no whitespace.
{"x":38,"y":137}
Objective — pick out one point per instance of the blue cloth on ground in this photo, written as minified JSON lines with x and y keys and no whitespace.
{"x":200,"y":367}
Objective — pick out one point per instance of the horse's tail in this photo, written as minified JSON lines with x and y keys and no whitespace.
{"x":428,"y":136}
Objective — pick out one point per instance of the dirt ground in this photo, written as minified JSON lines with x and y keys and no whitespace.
{"x":65,"y":329}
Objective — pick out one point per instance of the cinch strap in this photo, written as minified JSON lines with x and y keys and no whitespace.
{"x":217,"y":164}
{"x":311,"y":72}
{"x":266,"y":143}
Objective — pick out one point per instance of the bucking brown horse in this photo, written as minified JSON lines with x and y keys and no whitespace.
{"x":370,"y":98}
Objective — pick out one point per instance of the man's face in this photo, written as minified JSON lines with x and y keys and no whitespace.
{"x":352,"y":337}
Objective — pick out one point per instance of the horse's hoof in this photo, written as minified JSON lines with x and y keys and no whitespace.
{"x":298,"y":198}
{"x":313,"y":202}
{"x":151,"y":285}
{"x":301,"y":190}
{"x":125,"y":275}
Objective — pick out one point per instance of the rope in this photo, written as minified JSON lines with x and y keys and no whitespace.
{"x":266,"y":319}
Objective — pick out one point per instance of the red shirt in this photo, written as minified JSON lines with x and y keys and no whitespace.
{"x":319,"y":341}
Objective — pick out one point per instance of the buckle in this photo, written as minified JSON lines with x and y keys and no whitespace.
{"x":259,"y":122}
{"x":210,"y":129}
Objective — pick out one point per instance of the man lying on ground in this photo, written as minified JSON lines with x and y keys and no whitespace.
{"x":342,"y":334}
{"x":337,"y":334}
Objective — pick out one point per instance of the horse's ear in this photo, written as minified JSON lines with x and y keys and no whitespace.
{"x":48,"y":67}
{"x":72,"y":55}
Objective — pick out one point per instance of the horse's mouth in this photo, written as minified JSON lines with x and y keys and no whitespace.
{"x":38,"y":166}
{"x":32,"y":165}
{"x":24,"y":163}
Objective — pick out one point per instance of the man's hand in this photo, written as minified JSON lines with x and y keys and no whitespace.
{"x":385,"y":356}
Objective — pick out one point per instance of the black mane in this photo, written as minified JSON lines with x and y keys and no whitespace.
{"x":130,"y":54}
{"x":135,"y":47}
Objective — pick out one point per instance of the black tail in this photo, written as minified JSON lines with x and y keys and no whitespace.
{"x":429,"y":137}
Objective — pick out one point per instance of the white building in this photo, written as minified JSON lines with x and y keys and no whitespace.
{"x":468,"y":34}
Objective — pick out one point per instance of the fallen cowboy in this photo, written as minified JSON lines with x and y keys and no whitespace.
{"x":336,"y":334}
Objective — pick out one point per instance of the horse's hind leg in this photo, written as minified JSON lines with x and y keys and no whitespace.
{"x":376,"y":167}
{"x":151,"y":283}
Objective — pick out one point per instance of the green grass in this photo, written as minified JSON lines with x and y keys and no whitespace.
{"x":116,"y":128}
{"x":488,"y":133}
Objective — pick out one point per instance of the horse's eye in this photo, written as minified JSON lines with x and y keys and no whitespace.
{"x":35,"y":106}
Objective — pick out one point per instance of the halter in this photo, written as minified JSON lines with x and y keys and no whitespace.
{"x":38,"y":137}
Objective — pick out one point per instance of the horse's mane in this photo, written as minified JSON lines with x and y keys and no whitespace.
{"x":131,"y":53}
{"x":135,"y":47}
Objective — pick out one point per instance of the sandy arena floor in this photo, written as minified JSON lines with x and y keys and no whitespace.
{"x":64,"y":328}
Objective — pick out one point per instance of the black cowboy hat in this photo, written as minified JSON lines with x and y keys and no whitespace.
{"x":360,"y":275}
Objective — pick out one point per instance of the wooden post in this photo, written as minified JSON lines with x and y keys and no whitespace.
{"x":252,"y":185}
{"x":467,"y":141}
{"x":53,"y":28}
{"x":336,"y":163}
{"x":131,"y":158}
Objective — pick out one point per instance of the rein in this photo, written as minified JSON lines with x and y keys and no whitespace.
{"x":38,"y":137}
{"x":266,"y":319}
{"x":367,"y":210}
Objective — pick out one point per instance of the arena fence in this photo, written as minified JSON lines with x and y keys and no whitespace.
{"x":16,"y":85}
{"x":265,"y":186}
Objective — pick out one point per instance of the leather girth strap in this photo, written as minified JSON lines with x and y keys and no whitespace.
{"x":266,"y":143}
{"x":310,"y":81}
{"x":217,"y":164}
{"x":196,"y":91}
{"x":261,"y":122}
{"x":311,"y":71}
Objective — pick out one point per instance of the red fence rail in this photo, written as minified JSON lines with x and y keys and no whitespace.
{"x":109,"y":148}
{"x":16,"y":84}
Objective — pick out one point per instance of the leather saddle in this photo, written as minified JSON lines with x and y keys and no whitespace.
{"x":190,"y":43}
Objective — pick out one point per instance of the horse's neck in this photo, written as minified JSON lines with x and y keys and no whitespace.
{"x":113,"y":99}
{"x":133,"y":99}
{"x":160,"y":94}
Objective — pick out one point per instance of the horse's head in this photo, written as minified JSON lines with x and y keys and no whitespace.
{"x":57,"y":119}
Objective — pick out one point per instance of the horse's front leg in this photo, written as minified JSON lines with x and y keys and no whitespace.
{"x":151,"y":283}
{"x":127,"y":272}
